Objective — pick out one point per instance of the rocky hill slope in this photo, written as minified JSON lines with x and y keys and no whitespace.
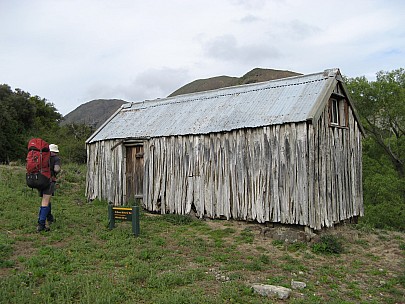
{"x":255,"y":75}
{"x":93,"y":113}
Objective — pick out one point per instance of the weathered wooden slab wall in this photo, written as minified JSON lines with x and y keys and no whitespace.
{"x":294,"y":173}
{"x":106,"y":171}
{"x":335,"y":167}
{"x":252,"y":174}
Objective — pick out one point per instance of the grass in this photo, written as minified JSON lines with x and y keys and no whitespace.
{"x":178,"y":259}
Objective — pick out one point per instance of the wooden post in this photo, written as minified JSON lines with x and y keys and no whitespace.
{"x":135,"y":220}
{"x":111,"y":219}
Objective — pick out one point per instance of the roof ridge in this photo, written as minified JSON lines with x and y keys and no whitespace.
{"x":172,"y":100}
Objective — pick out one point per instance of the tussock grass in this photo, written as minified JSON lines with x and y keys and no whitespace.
{"x":176,"y":259}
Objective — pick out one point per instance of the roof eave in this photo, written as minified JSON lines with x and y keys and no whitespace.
{"x":334,"y":78}
{"x":318,"y":107}
{"x":355,"y":114}
{"x":125,"y":105}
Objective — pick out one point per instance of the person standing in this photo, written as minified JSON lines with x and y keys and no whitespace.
{"x":45,"y":211}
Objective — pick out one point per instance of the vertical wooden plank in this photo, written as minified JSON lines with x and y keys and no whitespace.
{"x":252,"y":169}
{"x":276,"y":173}
{"x":208,"y":179}
{"x":235,"y":175}
{"x":330,"y":173}
{"x":267,"y":154}
{"x":226,"y":183}
{"x":239,"y":175}
{"x":257,"y":178}
{"x":283,"y":175}
{"x":171,"y":175}
{"x":219,"y":173}
{"x":199,"y":199}
{"x":346,"y":170}
{"x":301,"y":194}
{"x":146,"y":175}
{"x":151,"y":174}
{"x":293,"y":203}
{"x":315,"y":223}
{"x":340,"y":175}
{"x":323,"y":219}
{"x":162,"y":146}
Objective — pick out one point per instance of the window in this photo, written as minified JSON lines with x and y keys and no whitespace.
{"x":338,"y":108}
{"x":334,"y":112}
{"x":338,"y":112}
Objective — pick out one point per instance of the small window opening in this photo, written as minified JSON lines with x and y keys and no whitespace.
{"x":334,"y":112}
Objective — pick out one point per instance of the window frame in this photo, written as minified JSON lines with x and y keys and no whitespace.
{"x":338,"y":111}
{"x":334,"y":112}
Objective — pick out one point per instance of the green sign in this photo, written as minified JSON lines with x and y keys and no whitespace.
{"x":124,"y":214}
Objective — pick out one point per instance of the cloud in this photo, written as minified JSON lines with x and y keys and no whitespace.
{"x":297,"y":29}
{"x":148,"y":84}
{"x":249,"y":19}
{"x":226,"y":48}
{"x":73,"y":51}
{"x":252,"y":4}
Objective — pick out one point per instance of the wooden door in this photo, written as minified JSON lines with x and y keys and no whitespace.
{"x":134,"y":172}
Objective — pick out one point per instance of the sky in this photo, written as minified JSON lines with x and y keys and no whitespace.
{"x":73,"y":51}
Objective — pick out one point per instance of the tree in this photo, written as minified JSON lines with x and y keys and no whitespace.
{"x":14,"y":118}
{"x":23,"y":116}
{"x":381,"y":105}
{"x":71,"y":140}
{"x":46,"y":117}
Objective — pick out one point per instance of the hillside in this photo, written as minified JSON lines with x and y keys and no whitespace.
{"x":96,"y":112}
{"x":255,"y":75}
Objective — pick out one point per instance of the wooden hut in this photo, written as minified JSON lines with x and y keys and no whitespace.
{"x":284,"y":151}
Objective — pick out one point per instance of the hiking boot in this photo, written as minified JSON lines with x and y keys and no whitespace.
{"x":50,"y":219}
{"x":42,"y":228}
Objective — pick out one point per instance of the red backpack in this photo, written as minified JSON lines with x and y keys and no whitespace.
{"x":38,"y":164}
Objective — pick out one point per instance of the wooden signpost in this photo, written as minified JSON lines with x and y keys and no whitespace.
{"x":124,"y":214}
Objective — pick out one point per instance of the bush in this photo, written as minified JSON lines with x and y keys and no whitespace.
{"x":384,"y":190}
{"x":328,"y":244}
{"x":385,"y":216}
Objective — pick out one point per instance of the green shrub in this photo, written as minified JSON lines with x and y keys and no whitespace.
{"x":278,"y":243}
{"x":297,"y":246}
{"x":385,"y":216}
{"x":328,"y":244}
{"x":383,"y":190}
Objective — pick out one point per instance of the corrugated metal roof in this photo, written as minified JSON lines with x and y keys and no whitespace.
{"x":246,"y":106}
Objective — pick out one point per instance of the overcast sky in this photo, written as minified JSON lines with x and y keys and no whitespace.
{"x":73,"y":51}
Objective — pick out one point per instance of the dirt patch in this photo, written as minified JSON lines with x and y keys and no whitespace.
{"x":21,"y":250}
